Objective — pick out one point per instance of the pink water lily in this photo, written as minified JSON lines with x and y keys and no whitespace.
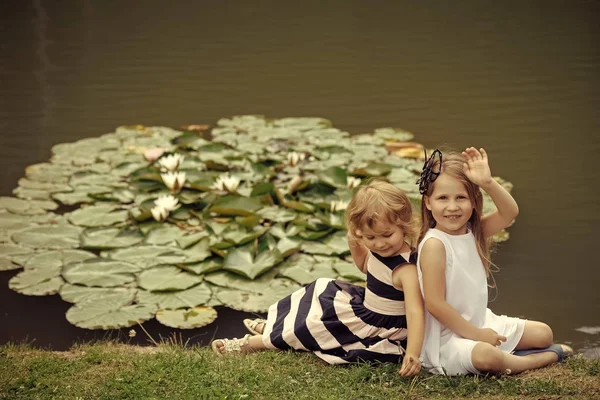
{"x":154,"y":153}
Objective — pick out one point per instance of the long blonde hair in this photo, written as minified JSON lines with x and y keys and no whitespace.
{"x":452,"y":164}
{"x":380,"y":201}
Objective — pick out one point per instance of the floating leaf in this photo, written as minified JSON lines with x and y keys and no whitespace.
{"x":334,"y":176}
{"x":109,"y":238}
{"x":192,"y":297}
{"x":109,"y":314}
{"x":187,"y":318}
{"x":100,"y":272}
{"x":348,"y":270}
{"x":53,"y":259}
{"x":277,"y":214}
{"x":336,"y":244}
{"x":204,"y":267}
{"x":236,"y":205}
{"x":241,"y":262}
{"x":37,"y":282}
{"x":148,"y":256}
{"x":99,"y":215}
{"x":49,"y":237}
{"x":257,"y":302}
{"x":167,"y":278}
{"x":81,"y":294}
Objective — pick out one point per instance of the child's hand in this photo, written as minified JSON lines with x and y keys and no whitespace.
{"x":477,"y":168}
{"x":411,"y":365}
{"x":490,"y":336}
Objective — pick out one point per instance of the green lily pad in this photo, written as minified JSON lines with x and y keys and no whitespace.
{"x":187,"y":318}
{"x":277,"y":214}
{"x":192,"y":297}
{"x":49,"y":237}
{"x":334,"y":176}
{"x":348,"y":270}
{"x":204,"y":267}
{"x":236,"y":205}
{"x":336,"y":244}
{"x":53,"y":259}
{"x":198,"y":252}
{"x":81,"y":294}
{"x":109,"y":238}
{"x":37,"y":282}
{"x":98,"y":215}
{"x":148,"y":256}
{"x":167,"y":278}
{"x":241,"y":261}
{"x":257,"y":302}
{"x":110,"y":314}
{"x":100,"y":272}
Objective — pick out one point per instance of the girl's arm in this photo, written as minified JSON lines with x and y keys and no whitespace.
{"x":507,"y":209}
{"x":405,"y":278}
{"x":359,"y":252}
{"x":433,"y":267}
{"x":478,"y":171}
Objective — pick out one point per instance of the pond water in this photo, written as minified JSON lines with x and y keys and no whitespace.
{"x":520,"y":79}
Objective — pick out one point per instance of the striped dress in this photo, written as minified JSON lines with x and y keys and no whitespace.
{"x":344,"y":323}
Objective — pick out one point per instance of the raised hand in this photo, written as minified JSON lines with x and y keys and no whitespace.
{"x":490,"y":336}
{"x":477,"y":168}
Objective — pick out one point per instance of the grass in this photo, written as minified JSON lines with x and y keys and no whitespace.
{"x":116,"y":371}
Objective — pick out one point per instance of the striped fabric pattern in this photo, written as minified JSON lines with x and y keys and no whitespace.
{"x":341,"y":322}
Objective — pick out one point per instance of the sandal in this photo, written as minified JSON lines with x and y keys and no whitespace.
{"x":230,"y":345}
{"x":251,"y":325}
{"x":562,"y":351}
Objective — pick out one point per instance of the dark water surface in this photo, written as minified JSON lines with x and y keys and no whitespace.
{"x":518,"y":78}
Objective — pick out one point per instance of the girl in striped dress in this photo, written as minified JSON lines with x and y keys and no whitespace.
{"x":341,"y":322}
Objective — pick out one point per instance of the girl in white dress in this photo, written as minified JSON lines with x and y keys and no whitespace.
{"x":462,"y":335}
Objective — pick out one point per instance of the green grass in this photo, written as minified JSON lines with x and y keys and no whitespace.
{"x":110,"y":371}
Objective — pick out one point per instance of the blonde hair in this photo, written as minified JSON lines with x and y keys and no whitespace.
{"x":452,"y":164}
{"x":380,"y":201}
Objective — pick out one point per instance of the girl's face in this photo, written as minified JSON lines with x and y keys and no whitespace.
{"x":450,"y":205}
{"x":385,"y":239}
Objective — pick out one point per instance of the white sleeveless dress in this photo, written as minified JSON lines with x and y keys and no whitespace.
{"x":445,"y":352}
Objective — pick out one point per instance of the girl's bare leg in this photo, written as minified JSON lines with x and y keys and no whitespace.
{"x":536,"y":335}
{"x":488,"y":358}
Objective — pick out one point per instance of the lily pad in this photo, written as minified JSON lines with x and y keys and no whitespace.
{"x":49,"y":237}
{"x":192,"y":297}
{"x":336,"y":244}
{"x":109,"y":314}
{"x":167,"y":278}
{"x":243,"y":263}
{"x":187,"y":318}
{"x":100,"y":272}
{"x":81,"y":294}
{"x":203,"y":267}
{"x":236,"y":205}
{"x":52,"y":259}
{"x":110,"y":238}
{"x":98,"y":215}
{"x":37,"y":282}
{"x":148,"y":256}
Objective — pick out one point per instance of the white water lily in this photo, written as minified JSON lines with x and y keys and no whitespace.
{"x":294,"y":158}
{"x":227,"y":183}
{"x":159,"y":213}
{"x":173,"y":180}
{"x":171,"y":162}
{"x":167,"y":201}
{"x":338,"y":205}
{"x":352,"y":182}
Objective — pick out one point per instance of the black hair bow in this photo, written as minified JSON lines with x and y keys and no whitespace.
{"x":428,"y":174}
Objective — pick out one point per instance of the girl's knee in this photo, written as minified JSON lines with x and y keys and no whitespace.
{"x":487,"y":358}
{"x":544,"y":336}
